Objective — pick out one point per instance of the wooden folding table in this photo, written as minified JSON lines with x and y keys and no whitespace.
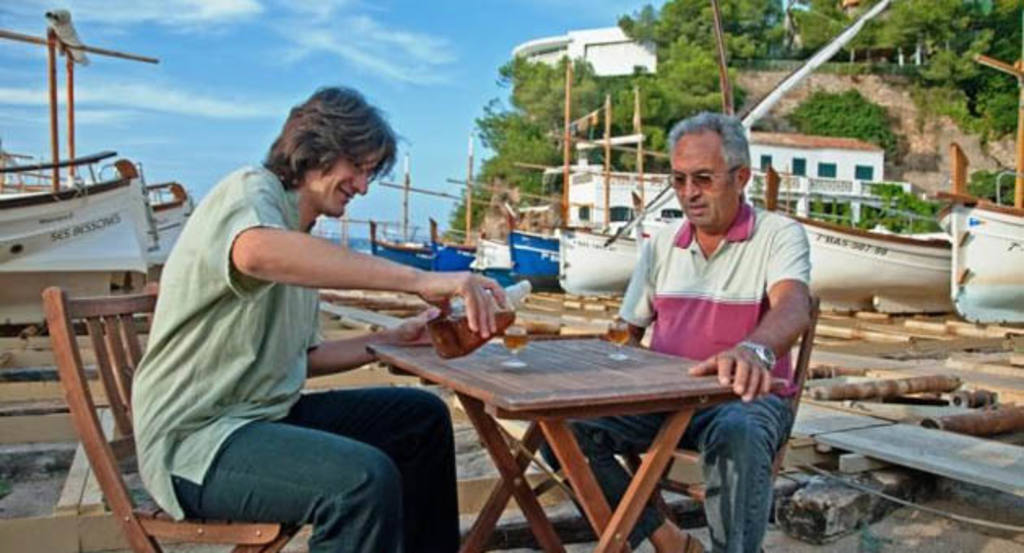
{"x":564,"y":380}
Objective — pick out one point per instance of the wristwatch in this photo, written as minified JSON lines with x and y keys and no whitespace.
{"x":763,"y":353}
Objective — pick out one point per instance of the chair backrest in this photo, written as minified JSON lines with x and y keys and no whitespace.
{"x":111,"y":325}
{"x":803,"y":357}
{"x":800,"y":370}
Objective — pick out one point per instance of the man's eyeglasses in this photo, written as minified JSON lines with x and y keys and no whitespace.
{"x":700,"y":179}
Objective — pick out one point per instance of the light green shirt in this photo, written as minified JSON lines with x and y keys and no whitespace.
{"x":224,"y":349}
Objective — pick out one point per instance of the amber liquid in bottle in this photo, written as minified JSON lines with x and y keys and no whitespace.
{"x":452,"y":336}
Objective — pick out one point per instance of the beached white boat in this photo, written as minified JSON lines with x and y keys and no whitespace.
{"x":987,"y":277}
{"x":587,"y":267}
{"x":854,"y":269}
{"x":78,"y":238}
{"x":170,"y":206}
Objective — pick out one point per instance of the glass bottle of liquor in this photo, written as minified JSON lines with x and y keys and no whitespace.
{"x":451,"y":335}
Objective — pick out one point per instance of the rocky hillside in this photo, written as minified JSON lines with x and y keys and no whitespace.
{"x":925,"y":154}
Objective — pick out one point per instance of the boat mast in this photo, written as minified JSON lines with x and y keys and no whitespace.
{"x":405,"y":201}
{"x":1016,"y":70}
{"x":639,"y":129}
{"x":51,"y":79}
{"x":723,"y":72}
{"x":607,"y":159}
{"x":51,"y":43}
{"x":565,"y":142}
{"x":469,"y":191}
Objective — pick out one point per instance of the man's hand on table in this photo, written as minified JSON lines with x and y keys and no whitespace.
{"x":749,"y":376}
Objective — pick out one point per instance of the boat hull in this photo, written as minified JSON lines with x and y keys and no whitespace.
{"x":535,"y":258}
{"x":421,"y":258}
{"x":987,"y":280}
{"x":853,"y":269}
{"x":452,"y":258}
{"x":587,"y":267}
{"x":78,"y":240}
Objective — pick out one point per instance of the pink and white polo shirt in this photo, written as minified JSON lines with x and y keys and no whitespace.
{"x":703,"y":306}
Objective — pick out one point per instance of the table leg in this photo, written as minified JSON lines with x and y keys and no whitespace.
{"x":644,"y":482}
{"x":564,"y":445}
{"x":511,"y":469}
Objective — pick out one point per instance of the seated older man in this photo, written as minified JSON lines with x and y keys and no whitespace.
{"x":727,"y":285}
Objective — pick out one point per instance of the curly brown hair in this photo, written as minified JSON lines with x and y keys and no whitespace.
{"x":335,"y":122}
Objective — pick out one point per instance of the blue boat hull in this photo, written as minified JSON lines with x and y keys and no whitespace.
{"x":501,"y":276}
{"x":535,"y":258}
{"x":415,"y":257}
{"x":450,"y":258}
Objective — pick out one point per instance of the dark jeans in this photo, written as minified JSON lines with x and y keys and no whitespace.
{"x":737,"y":442}
{"x":372,"y":470}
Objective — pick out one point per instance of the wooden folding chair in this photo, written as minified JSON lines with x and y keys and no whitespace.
{"x":698,"y":491}
{"x":111,"y":326}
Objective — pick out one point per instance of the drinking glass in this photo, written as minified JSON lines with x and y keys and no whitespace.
{"x":618,"y":334}
{"x":515,"y":340}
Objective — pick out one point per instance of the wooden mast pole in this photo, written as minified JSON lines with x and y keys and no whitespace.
{"x":1017,"y":71}
{"x":723,"y":72}
{"x":607,"y":160}
{"x":51,"y":78}
{"x":469,"y":192}
{"x":70,"y":68}
{"x":638,"y":128}
{"x":51,"y":42}
{"x":565,"y":142}
{"x":405,"y":201}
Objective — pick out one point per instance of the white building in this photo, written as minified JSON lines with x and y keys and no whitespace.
{"x":609,"y":51}
{"x":824,"y":157}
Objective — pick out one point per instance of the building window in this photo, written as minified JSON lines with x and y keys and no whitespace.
{"x":827,"y":170}
{"x":864,"y":172}
{"x":671,"y":213}
{"x":621,"y":213}
{"x":766,"y":162}
{"x":799,"y":166}
{"x":584,"y":213}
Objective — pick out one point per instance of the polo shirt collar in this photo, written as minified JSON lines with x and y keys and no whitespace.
{"x":741,"y":229}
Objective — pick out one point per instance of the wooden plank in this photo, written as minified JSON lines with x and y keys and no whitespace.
{"x":41,"y":534}
{"x":918,"y":349}
{"x":360,"y":315}
{"x":814,"y":420}
{"x":993,"y":368}
{"x":92,"y":495}
{"x":74,"y":484}
{"x":965,"y":458}
{"x":81,"y":493}
{"x":50,"y":427}
{"x":45,"y":390}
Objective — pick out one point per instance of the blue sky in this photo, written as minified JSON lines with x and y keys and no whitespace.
{"x":230,"y":69}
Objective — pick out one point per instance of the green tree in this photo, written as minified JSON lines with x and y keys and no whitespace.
{"x":846,"y":114}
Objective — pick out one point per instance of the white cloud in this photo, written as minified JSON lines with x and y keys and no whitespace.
{"x":185,"y":14}
{"x":152,"y":97}
{"x":342,"y":29}
{"x":394,"y":54}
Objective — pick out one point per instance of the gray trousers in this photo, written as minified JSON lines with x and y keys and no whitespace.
{"x":737,"y":442}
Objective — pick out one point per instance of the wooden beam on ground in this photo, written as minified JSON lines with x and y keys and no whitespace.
{"x":969,"y":459}
{"x":81,"y":493}
{"x":50,"y":427}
